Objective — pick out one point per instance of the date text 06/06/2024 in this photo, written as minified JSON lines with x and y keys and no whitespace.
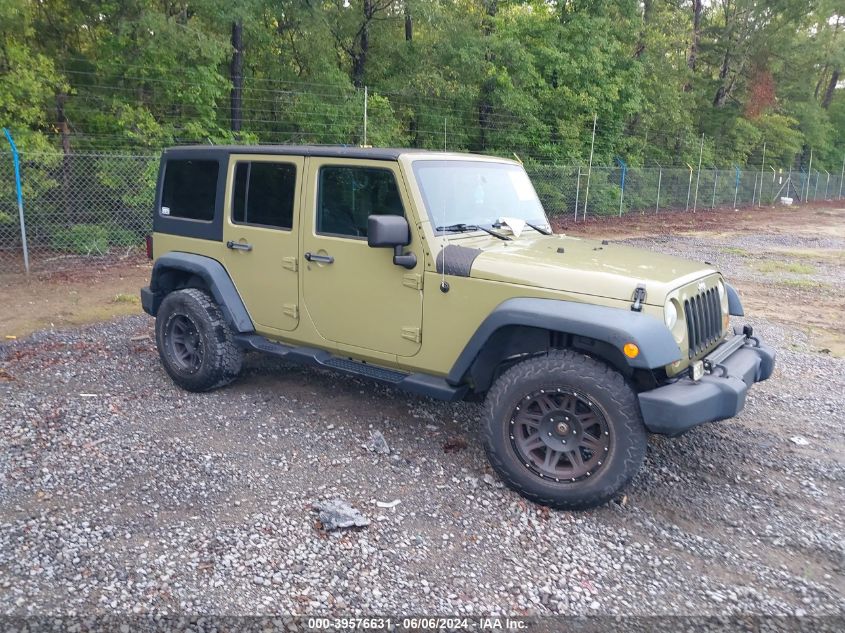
{"x":416,"y":623}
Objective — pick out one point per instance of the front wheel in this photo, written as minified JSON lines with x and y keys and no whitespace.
{"x":564,"y":430}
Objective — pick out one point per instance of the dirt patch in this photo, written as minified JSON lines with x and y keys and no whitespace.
{"x":812,"y":219}
{"x":74,"y":297}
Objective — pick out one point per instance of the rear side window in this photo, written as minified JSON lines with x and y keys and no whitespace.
{"x":190,"y":189}
{"x":264,"y":194}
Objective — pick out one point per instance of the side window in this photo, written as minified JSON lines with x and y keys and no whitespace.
{"x":264,"y":194}
{"x":348,"y":195}
{"x":190,"y":189}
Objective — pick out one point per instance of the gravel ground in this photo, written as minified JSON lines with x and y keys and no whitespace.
{"x":122,"y":494}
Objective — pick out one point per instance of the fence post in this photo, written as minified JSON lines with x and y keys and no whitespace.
{"x":689,"y":186}
{"x":774,"y":177}
{"x":698,"y":176}
{"x":19,"y":193}
{"x":659,"y":179}
{"x":622,"y":182}
{"x":715,"y":181}
{"x":841,"y":177}
{"x":736,"y":187}
{"x":809,"y":175}
{"x":577,"y":192}
{"x":762,"y":168}
{"x":816,"y":188}
{"x":754,"y":191}
{"x":590,"y":168}
{"x":826,"y":184}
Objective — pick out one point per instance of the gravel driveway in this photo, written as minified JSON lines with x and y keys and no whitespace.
{"x":121,"y":493}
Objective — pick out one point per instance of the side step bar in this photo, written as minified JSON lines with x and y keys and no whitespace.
{"x":420,"y":384}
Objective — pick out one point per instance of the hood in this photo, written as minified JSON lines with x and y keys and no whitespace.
{"x":583,"y":266}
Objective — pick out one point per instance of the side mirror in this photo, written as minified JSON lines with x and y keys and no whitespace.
{"x":391,"y":231}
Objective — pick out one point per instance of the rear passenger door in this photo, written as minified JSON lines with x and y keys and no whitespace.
{"x":260,"y":231}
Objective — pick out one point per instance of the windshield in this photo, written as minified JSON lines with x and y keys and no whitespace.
{"x":475,"y":192}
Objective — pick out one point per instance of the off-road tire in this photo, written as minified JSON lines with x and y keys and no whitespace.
{"x":606,"y":388}
{"x":220,"y":358}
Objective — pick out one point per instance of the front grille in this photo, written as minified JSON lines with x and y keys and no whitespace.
{"x":704,"y":320}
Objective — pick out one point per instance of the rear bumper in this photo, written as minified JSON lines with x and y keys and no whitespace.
{"x":677,"y":407}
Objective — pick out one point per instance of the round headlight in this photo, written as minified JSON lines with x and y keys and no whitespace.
{"x":670,"y":314}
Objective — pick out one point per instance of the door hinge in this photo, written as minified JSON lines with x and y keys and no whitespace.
{"x":412,"y":334}
{"x":292,"y":310}
{"x":291,"y":263}
{"x":412,"y":280}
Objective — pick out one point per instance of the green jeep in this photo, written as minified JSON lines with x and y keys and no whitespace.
{"x":439,"y":274}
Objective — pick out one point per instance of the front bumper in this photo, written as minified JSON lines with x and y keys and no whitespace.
{"x":677,"y":407}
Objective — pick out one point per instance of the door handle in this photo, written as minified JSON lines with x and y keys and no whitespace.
{"x":238,"y":246}
{"x":321,"y":259}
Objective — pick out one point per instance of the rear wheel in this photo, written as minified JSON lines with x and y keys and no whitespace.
{"x":194,"y":342}
{"x":564,"y":430}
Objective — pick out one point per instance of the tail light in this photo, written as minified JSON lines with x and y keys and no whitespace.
{"x":149,"y":241}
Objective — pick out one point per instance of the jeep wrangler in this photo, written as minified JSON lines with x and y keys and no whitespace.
{"x":439,"y":273}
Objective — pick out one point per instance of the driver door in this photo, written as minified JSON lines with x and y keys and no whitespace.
{"x":355,"y":295}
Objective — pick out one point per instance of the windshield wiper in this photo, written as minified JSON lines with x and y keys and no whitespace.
{"x":539,"y":229}
{"x":464,"y":228}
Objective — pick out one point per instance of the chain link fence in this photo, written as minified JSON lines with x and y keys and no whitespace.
{"x":85,"y":208}
{"x":577,"y":193}
{"x":79,"y":209}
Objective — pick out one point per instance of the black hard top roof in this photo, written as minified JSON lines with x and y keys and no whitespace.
{"x":336,"y":151}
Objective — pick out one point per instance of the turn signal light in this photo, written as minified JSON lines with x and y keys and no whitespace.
{"x":631,"y":350}
{"x":149,"y":245}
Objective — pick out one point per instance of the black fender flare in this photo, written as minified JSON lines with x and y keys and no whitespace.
{"x":214,"y":276}
{"x":614,"y":326}
{"x":734,"y":303}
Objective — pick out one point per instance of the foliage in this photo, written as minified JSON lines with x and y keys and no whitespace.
{"x":524,"y":76}
{"x":82,"y":239}
{"x":92,"y":239}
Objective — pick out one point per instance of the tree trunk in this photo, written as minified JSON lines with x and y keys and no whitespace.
{"x":409,"y":23}
{"x":648,"y":8}
{"x":359,"y":59}
{"x":696,"y":34}
{"x":485,"y":106}
{"x":61,"y":119}
{"x":723,"y":92}
{"x":236,"y":72}
{"x":831,"y":86}
{"x":64,"y":130}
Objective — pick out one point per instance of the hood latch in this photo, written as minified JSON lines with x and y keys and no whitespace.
{"x":638,"y":298}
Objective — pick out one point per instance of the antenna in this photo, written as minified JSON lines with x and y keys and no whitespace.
{"x":365,"y":116}
{"x":444,"y":285}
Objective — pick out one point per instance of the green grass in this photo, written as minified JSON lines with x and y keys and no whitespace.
{"x":786,"y":267}
{"x":125,"y":298}
{"x":804,"y":284}
{"x":733,"y":250}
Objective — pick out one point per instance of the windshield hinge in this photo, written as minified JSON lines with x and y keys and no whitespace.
{"x":412,"y":334}
{"x":413,"y":280}
{"x":638,"y":298}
